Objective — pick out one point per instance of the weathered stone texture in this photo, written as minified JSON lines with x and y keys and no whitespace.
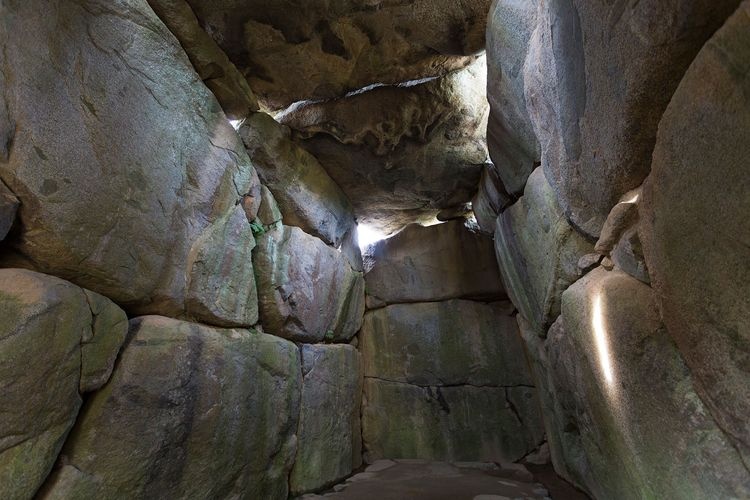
{"x":447,"y":423}
{"x":431,"y":263}
{"x":122,"y":160}
{"x":307,"y":290}
{"x":329,"y":437}
{"x":511,"y":140}
{"x":8,"y":209}
{"x":56,"y":342}
{"x":308,"y":198}
{"x":212,"y":64}
{"x":322,"y":49}
{"x":444,"y":343}
{"x":695,"y":225}
{"x":190,"y":412}
{"x":623,"y":418}
{"x":599,"y":76}
{"x":401,"y":153}
{"x":538,"y":252}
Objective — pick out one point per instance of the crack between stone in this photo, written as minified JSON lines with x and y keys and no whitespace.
{"x":444,"y":385}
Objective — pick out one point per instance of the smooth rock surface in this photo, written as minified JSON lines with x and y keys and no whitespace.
{"x":538,"y":252}
{"x":623,"y":386}
{"x":322,"y":49}
{"x":329,"y":437}
{"x":429,"y":263}
{"x":8,"y":209}
{"x":123,"y":161}
{"x":401,"y":153}
{"x":448,"y":423}
{"x":308,"y":198}
{"x":176,"y":421}
{"x":212,"y":64}
{"x":695,"y":226}
{"x":56,"y":341}
{"x":307,"y":290}
{"x":444,"y":343}
{"x":599,"y":77}
{"x":511,"y":140}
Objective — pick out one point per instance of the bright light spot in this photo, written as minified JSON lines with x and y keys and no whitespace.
{"x":601,"y":341}
{"x":368,"y":235}
{"x":236,"y":124}
{"x":633,"y":199}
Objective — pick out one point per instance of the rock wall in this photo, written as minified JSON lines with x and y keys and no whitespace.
{"x":168,"y":329}
{"x":445,"y":377}
{"x":626,"y":252}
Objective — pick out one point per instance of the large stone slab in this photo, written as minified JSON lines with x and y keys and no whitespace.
{"x":538,"y":252}
{"x":511,"y":140}
{"x":212,"y":64}
{"x":429,"y":263}
{"x":56,"y":342}
{"x":623,"y":389}
{"x":307,"y":290}
{"x":599,"y":78}
{"x":307,"y":196}
{"x":322,"y":50}
{"x":124,"y":163}
{"x":444,"y":343}
{"x":463,"y":423}
{"x":695,"y":226}
{"x":329,"y":438}
{"x":401,"y":153}
{"x":190,"y":412}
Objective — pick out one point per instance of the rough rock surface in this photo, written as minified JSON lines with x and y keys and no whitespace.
{"x":308,"y":198}
{"x":121,"y":158}
{"x":538,"y":252}
{"x":630,"y":421}
{"x":490,"y":200}
{"x":8,"y":209}
{"x":438,"y":262}
{"x":56,"y":341}
{"x":298,"y":50}
{"x":401,"y":153}
{"x":695,"y":225}
{"x":174,"y":421}
{"x":444,"y":343}
{"x":329,"y":437}
{"x":449,"y":423}
{"x":511,"y":141}
{"x":212,"y":64}
{"x":307,"y":290}
{"x":599,"y":77}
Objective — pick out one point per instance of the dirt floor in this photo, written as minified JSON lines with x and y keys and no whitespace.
{"x":422,"y":480}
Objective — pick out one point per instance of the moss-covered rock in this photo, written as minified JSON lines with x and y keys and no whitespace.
{"x":444,"y":343}
{"x":190,"y":412}
{"x":307,"y":290}
{"x":329,"y":439}
{"x":447,"y":423}
{"x":427,"y":263}
{"x":56,"y":342}
{"x":538,"y":252}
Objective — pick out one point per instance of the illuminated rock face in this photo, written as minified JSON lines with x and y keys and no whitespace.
{"x":613,"y":384}
{"x":632,"y":298}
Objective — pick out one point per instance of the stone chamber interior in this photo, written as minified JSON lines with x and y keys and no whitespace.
{"x":550,"y":298}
